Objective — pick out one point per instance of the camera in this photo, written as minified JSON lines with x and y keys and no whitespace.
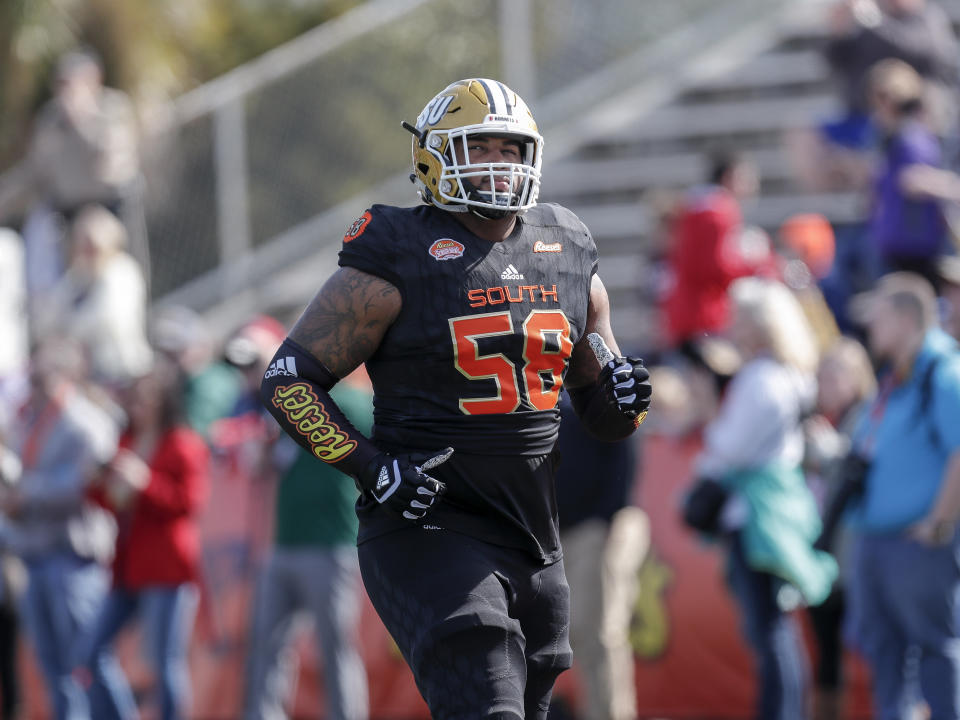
{"x":852,"y":481}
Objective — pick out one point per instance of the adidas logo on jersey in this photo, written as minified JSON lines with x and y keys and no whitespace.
{"x":383,"y":479}
{"x":282,"y":366}
{"x":511,"y":273}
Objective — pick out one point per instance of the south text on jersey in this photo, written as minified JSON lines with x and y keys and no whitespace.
{"x":500,"y":294}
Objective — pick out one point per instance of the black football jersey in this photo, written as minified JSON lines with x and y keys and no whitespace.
{"x":475,"y":361}
{"x":476,"y":358}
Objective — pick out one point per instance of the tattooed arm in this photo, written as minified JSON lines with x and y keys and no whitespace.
{"x":342,"y":327}
{"x":346,"y":320}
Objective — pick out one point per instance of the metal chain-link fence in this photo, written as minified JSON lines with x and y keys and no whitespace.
{"x":180,"y":203}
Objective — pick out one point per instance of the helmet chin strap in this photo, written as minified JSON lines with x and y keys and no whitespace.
{"x":490,"y":213}
{"x":487,"y":213}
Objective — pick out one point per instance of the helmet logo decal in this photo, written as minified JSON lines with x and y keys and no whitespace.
{"x":506,"y":98}
{"x":434,"y":112}
{"x":358,"y":227}
{"x":498,"y":97}
{"x":446,"y":249}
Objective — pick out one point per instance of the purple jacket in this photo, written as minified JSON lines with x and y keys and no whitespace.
{"x":901,"y":227}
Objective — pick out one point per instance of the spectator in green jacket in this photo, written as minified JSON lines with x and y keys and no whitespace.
{"x":212,"y":386}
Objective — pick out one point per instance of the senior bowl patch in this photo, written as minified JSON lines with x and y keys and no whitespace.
{"x":446,"y":249}
{"x":359,"y":225}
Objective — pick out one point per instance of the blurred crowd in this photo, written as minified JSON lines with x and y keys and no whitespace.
{"x":818,"y":364}
{"x":119,"y":423}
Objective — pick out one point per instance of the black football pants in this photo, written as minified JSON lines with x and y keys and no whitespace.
{"x":484,"y":628}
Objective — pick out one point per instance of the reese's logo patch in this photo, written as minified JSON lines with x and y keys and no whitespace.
{"x":301,"y":406}
{"x":446,"y":249}
{"x":541,"y":247}
{"x":358,"y":227}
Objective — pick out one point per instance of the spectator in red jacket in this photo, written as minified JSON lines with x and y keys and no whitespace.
{"x":710,"y":249}
{"x":155,"y":486}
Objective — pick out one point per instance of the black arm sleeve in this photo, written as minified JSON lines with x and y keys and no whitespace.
{"x":295,"y":391}
{"x":599,"y":415}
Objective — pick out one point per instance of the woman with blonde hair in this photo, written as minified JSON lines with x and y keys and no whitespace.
{"x":768,"y":320}
{"x":101,"y":300}
{"x":753,"y":449}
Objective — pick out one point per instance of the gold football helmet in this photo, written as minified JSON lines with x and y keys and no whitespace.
{"x":442,"y":170}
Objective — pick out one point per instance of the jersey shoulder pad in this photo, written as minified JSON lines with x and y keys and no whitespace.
{"x":369,"y":244}
{"x":374,"y":221}
{"x":553,"y":215}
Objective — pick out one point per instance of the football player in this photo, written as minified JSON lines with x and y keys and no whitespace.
{"x":471,"y":312}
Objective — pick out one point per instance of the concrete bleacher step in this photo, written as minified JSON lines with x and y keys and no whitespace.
{"x":776,"y":73}
{"x":769,"y":211}
{"x":808,"y":36}
{"x":623,"y":270}
{"x":728,"y":117}
{"x":617,"y":223}
{"x":641,"y":172}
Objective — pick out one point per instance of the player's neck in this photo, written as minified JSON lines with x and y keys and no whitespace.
{"x":492,"y":230}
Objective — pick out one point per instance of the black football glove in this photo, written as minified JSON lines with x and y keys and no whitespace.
{"x":626,"y":383}
{"x":400,"y":482}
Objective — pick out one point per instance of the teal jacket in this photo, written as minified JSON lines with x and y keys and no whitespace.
{"x":780,"y":530}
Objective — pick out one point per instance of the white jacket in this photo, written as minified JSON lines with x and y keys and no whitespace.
{"x":107,"y":315}
{"x":759,"y":421}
